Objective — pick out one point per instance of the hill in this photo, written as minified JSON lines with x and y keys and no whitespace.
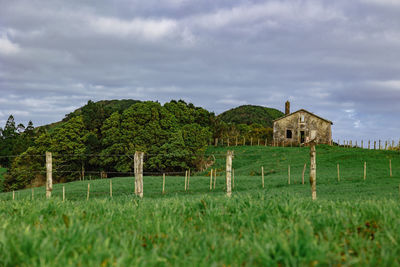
{"x":353,"y":221}
{"x":249,"y":114}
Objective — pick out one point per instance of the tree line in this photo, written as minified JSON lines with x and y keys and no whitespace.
{"x":103,"y":136}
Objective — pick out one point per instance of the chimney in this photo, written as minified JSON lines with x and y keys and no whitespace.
{"x":287,"y":107}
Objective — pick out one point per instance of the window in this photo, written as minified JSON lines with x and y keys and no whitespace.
{"x":302,"y":118}
{"x":289,"y":134}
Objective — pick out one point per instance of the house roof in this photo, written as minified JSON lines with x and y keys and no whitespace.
{"x":303,"y":110}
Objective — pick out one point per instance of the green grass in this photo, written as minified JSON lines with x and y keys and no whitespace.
{"x":353,"y":222}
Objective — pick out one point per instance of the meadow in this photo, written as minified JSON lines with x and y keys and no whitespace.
{"x":353,"y":222}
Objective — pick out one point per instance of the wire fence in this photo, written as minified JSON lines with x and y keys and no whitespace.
{"x":281,"y":168}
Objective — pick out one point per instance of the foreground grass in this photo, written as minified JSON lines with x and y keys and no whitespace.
{"x":353,"y":222}
{"x":249,"y":229}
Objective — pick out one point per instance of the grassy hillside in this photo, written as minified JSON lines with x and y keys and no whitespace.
{"x":249,"y":114}
{"x":353,"y":222}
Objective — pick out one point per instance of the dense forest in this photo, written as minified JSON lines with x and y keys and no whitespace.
{"x":103,"y":136}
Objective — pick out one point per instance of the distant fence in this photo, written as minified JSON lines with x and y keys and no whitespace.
{"x":289,"y":172}
{"x":243,"y":141}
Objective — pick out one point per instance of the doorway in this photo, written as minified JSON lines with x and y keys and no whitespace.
{"x":302,"y":137}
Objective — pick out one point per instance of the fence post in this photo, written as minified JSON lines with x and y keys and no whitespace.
{"x":163,"y":183}
{"x":215,"y":177}
{"x":110,"y":188}
{"x":244,"y":141}
{"x":302,"y":175}
{"x":338,"y":172}
{"x":266,"y":140}
{"x":229,"y":155}
{"x":313,"y":171}
{"x":251,"y":141}
{"x":138,"y":166}
{"x":262,"y":176}
{"x":49,"y":174}
{"x":33,"y":194}
{"x":63,"y":194}
{"x":88,"y":191}
{"x":228,"y":142}
{"x":365,"y":170}
{"x":13,"y":195}
{"x":374,"y":144}
{"x":186,"y":175}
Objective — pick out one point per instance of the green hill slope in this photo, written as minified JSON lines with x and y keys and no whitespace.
{"x":248,"y":114}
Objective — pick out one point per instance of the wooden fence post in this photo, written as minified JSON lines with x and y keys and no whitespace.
{"x":365,"y":170}
{"x":302,"y":175}
{"x":262,"y":176}
{"x":244,"y":141}
{"x":138,"y":166}
{"x":88,"y":191}
{"x":266,"y":142}
{"x":110,"y":188}
{"x":186,"y":175}
{"x":313,"y":171}
{"x":215,"y":177}
{"x":229,"y":155}
{"x":211,"y":176}
{"x":13,"y":194}
{"x":288,"y":174}
{"x":338,"y":172}
{"x":63,"y":193}
{"x":49,"y":174}
{"x":163,"y":183}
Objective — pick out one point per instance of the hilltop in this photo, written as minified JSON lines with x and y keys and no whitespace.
{"x":249,"y":114}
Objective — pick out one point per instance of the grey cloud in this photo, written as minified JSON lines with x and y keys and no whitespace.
{"x":326,"y":56}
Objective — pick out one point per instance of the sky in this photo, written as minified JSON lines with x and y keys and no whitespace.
{"x":338,"y":59}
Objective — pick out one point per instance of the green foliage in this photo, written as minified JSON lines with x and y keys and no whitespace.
{"x":94,"y":139}
{"x":249,"y":114}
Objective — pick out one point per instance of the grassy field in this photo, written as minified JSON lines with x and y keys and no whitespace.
{"x":353,"y":222}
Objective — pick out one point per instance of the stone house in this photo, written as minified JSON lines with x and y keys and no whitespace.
{"x":298,"y":128}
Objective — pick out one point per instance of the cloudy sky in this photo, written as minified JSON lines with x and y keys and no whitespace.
{"x":339,"y":59}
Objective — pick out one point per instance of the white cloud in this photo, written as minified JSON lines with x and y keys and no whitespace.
{"x":392,"y":84}
{"x":150,"y":29}
{"x":7,"y":47}
{"x":272,"y":13}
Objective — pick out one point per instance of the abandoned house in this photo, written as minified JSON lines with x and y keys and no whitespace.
{"x":298,"y":128}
